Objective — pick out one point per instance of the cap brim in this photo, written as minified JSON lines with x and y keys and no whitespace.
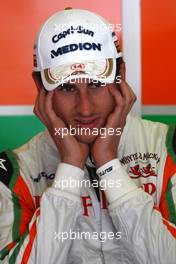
{"x":102,"y":70}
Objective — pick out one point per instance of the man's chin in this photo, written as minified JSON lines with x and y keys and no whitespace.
{"x":86,"y":139}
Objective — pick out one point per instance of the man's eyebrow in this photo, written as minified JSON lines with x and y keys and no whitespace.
{"x":67,"y":85}
{"x":93,"y":82}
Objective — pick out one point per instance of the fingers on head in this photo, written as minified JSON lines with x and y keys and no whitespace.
{"x":127,"y":93}
{"x":40,"y":108}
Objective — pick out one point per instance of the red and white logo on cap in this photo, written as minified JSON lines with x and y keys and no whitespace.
{"x":78,"y":66}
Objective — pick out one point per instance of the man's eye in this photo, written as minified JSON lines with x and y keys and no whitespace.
{"x":65,"y":87}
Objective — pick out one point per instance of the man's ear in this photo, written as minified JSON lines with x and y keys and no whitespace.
{"x":37,"y":79}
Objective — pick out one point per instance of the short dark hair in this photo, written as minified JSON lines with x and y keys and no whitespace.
{"x":119,"y":61}
{"x":37,"y":77}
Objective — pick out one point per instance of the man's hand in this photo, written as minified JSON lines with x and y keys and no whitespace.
{"x":105,"y":149}
{"x":71,"y":151}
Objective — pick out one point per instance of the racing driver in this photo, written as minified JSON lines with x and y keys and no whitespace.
{"x":99,"y":185}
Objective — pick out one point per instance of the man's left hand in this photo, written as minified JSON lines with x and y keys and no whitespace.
{"x":105,"y":149}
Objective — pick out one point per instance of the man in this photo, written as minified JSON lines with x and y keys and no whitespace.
{"x":98,"y":186}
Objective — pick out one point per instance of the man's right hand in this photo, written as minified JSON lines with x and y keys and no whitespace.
{"x":70,"y":150}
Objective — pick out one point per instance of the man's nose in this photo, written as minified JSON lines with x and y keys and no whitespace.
{"x":85,"y":105}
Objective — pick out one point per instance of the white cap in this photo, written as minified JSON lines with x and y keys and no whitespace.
{"x":75,"y":43}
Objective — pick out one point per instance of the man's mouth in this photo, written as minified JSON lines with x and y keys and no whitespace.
{"x":87,"y":122}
